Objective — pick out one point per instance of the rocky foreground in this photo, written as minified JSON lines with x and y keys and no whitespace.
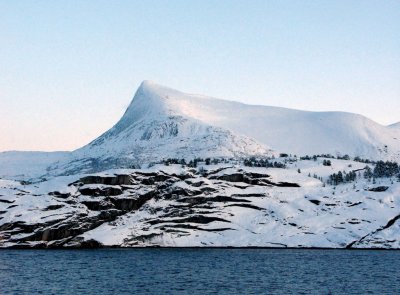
{"x":215,"y":205}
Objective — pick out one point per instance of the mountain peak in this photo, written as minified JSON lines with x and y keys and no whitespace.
{"x":148,"y":85}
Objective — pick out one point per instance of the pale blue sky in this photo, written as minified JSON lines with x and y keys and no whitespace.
{"x":68,"y":69}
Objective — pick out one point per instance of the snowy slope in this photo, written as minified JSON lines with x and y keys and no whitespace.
{"x":287,"y":130}
{"x":218,"y":205}
{"x":25,"y":165}
{"x":395,"y":126}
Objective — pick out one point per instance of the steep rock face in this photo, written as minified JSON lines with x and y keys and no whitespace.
{"x":223,"y":205}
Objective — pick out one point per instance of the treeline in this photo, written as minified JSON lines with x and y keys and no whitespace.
{"x":193,"y":163}
{"x":341,"y":177}
{"x":249,"y":162}
{"x":253,"y":162}
{"x":382,"y":169}
{"x":344,"y":157}
{"x":315,"y":157}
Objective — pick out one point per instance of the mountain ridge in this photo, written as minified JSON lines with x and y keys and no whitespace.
{"x":161,"y":123}
{"x":311,"y":126}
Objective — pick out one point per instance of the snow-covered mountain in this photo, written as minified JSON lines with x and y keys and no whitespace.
{"x":164,"y":123}
{"x":84,"y":199}
{"x":161,"y":122}
{"x":286,"y":130}
{"x":154,"y":128}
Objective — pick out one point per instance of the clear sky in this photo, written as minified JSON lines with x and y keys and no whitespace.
{"x":68,"y":69}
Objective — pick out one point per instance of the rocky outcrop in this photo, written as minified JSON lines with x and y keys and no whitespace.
{"x":101,"y":199}
{"x":182,"y":206}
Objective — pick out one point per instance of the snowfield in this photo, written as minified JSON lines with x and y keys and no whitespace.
{"x":142,"y":183}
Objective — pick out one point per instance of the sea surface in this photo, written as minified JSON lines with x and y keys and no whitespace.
{"x":199,"y":271}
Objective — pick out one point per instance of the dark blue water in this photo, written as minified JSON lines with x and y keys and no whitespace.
{"x":199,"y":271}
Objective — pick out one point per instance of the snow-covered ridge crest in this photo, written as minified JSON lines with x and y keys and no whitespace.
{"x":287,"y":130}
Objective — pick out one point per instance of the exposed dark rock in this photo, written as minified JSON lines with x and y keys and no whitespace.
{"x":90,"y":244}
{"x":316,"y":202}
{"x":192,"y":219}
{"x":391,"y":222}
{"x":98,"y":205}
{"x":195,"y":184}
{"x":101,"y":191}
{"x":249,"y":195}
{"x":355,"y":204}
{"x":234,"y":177}
{"x":203,"y":200}
{"x":245,"y":206}
{"x":6,"y":201}
{"x":257,"y":175}
{"x":67,"y":229}
{"x":188,"y":226}
{"x":59,"y":195}
{"x":53,"y":207}
{"x":189,"y":200}
{"x":378,"y":189}
{"x":287,"y":184}
{"x":128,"y":204}
{"x":108,"y":180}
{"x":142,"y":238}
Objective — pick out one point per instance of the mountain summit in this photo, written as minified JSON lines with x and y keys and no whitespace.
{"x":159,"y":124}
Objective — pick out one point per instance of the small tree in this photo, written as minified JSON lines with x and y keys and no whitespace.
{"x":367,"y":172}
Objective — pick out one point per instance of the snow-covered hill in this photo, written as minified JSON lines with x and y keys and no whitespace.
{"x":212,"y":205}
{"x":287,"y":130}
{"x":164,"y":123}
{"x":25,"y":165}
